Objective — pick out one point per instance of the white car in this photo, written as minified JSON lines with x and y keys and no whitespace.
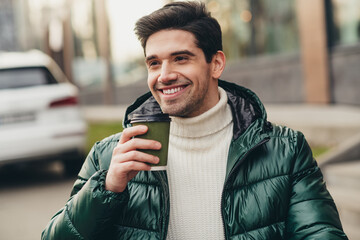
{"x":40,"y":118}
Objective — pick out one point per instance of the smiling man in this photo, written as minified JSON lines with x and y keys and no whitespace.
{"x":231,"y":174}
{"x":179,"y":77}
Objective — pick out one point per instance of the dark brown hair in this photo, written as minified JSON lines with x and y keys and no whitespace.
{"x":188,"y":16}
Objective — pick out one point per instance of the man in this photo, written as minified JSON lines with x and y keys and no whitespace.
{"x":230,"y":175}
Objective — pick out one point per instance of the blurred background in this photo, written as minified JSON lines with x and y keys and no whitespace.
{"x":311,"y":48}
{"x":301,"y":57}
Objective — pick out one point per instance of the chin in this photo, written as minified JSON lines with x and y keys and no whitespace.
{"x":177,"y":109}
{"x":172,"y":111}
{"x":176,"y":112}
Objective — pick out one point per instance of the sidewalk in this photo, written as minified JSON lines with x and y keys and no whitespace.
{"x":328,"y":125}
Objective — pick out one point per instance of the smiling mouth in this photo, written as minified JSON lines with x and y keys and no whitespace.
{"x":172,"y":90}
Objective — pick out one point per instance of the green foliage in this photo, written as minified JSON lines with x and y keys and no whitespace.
{"x":318,"y":150}
{"x":100,"y":130}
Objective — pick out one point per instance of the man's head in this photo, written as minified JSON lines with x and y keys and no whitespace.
{"x":188,"y":16}
{"x":182,"y":46}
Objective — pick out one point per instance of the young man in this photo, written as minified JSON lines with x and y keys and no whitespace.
{"x":230,"y":175}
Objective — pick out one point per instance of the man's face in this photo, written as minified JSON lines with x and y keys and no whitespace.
{"x":179,"y":77}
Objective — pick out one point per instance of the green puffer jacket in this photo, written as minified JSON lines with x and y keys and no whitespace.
{"x":273,"y":188}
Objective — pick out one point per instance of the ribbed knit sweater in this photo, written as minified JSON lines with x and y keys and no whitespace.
{"x":198,"y":151}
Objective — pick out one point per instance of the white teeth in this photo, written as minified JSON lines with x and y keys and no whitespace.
{"x":172,"y":90}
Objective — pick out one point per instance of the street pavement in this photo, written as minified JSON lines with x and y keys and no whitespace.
{"x":29,"y":196}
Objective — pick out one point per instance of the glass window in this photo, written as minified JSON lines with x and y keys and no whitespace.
{"x":24,"y":77}
{"x":255,"y":27}
{"x":346,"y":15}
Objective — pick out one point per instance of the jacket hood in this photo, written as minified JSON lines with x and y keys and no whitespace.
{"x":245,"y":106}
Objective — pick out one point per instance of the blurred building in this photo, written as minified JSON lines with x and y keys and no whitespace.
{"x":296,"y":51}
{"x":7,"y":26}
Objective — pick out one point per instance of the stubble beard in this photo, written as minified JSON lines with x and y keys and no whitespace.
{"x":187,"y":106}
{"x":184,"y":109}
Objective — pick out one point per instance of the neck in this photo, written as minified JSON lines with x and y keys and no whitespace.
{"x":206,"y":123}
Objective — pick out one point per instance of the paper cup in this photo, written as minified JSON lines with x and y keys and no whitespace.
{"x":158,"y":129}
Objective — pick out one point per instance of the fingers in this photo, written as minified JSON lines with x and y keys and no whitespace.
{"x":128,"y":143}
{"x":137,"y":143}
{"x":131,"y":132}
{"x":134,"y":166}
{"x":135,"y":156}
{"x":126,"y":150}
{"x":127,"y":161}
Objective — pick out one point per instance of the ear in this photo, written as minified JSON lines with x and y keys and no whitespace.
{"x":218,"y":64}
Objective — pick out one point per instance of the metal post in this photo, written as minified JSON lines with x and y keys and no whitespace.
{"x":102,"y":31}
{"x":314,"y":50}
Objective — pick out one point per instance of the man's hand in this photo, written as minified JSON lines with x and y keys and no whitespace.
{"x":126,"y":161}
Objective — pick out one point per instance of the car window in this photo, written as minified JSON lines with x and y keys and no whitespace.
{"x":25,"y":77}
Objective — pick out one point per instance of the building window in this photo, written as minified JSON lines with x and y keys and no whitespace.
{"x":256,"y":27}
{"x":346,"y":22}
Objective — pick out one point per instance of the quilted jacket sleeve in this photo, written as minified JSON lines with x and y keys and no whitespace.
{"x":90,"y":209}
{"x":312,"y":211}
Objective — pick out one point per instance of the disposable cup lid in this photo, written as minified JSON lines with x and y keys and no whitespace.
{"x":161,"y":117}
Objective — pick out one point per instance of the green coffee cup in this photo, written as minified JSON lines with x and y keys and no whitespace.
{"x":158,"y":129}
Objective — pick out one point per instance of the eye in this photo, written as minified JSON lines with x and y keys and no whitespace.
{"x":181,"y":58}
{"x":153,"y":63}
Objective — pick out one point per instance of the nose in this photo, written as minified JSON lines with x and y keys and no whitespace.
{"x":167,"y":74}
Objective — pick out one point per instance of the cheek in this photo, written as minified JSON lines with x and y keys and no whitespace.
{"x":151,"y":80}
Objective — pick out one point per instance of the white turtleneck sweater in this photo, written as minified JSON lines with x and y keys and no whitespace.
{"x":198,"y":151}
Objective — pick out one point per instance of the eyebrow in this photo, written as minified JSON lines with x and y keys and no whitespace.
{"x":186,"y":52}
{"x":149,"y":58}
